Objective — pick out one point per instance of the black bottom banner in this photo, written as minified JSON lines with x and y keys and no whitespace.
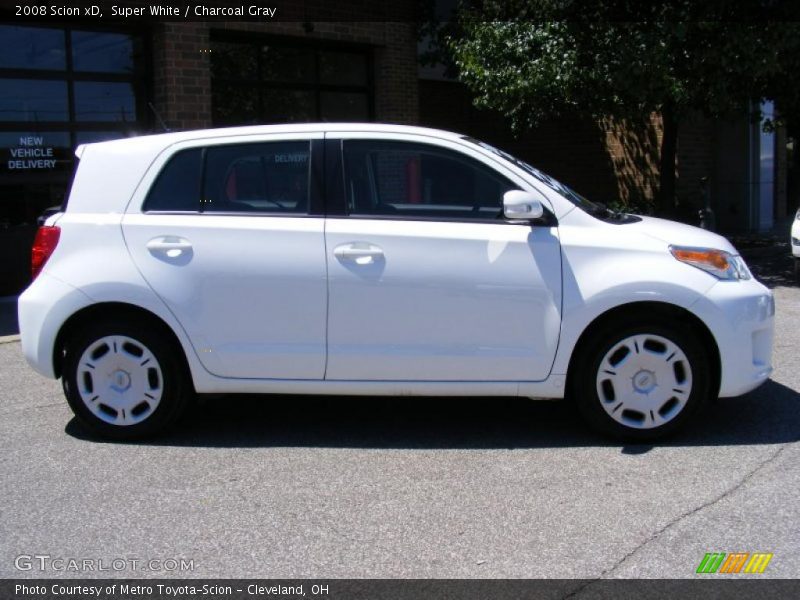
{"x":395,"y":589}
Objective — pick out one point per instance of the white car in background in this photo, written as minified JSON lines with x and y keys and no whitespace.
{"x":376,"y":259}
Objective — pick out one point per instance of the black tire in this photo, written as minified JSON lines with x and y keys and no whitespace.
{"x":174,"y":379}
{"x":582,"y":382}
{"x":797,"y":270}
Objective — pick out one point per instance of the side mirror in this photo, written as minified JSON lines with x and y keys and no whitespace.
{"x":522,"y":205}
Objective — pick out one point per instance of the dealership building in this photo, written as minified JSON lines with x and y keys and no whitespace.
{"x":70,"y":83}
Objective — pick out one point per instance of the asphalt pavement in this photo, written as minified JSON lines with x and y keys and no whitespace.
{"x":288,"y":487}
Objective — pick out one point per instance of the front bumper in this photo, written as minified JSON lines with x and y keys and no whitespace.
{"x":740,"y":315}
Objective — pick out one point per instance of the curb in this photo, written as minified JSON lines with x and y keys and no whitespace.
{"x":8,"y":339}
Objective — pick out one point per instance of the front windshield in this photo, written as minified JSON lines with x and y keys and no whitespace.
{"x":553,"y":184}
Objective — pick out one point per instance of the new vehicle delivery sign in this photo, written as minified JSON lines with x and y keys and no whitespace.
{"x":31,"y":154}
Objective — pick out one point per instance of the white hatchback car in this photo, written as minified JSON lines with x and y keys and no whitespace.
{"x":375,"y":259}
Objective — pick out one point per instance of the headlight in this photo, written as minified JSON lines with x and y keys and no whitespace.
{"x":722,"y":265}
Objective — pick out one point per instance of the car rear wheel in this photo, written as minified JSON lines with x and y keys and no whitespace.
{"x":640,"y":382}
{"x":124,"y":380}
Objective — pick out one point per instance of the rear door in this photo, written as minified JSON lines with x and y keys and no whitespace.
{"x":231,"y":237}
{"x":427,"y":280}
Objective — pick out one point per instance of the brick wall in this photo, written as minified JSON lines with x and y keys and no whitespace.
{"x":182,"y":77}
{"x":396,"y":81}
{"x":633,"y":151}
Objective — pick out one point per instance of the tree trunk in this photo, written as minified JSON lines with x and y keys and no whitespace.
{"x":669,"y":149}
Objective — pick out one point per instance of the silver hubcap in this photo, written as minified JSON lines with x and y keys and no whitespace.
{"x":644,"y":381}
{"x":119,"y":380}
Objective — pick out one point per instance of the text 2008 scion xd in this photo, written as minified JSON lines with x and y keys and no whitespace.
{"x":376,"y":259}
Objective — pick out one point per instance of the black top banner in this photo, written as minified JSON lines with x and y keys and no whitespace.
{"x":131,"y":11}
{"x":122,"y":11}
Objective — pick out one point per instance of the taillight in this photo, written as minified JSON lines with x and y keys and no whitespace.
{"x":43,"y":246}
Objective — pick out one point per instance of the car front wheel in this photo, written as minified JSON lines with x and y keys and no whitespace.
{"x":640,"y":382}
{"x":124,"y":381}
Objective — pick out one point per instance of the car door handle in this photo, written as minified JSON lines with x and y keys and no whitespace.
{"x":357,"y":250}
{"x":169,"y":245}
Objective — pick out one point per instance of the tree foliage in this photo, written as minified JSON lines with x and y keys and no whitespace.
{"x":539,"y":59}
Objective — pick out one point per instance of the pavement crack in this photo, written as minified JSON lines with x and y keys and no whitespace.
{"x":681,"y":517}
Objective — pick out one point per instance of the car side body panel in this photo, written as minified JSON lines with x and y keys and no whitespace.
{"x":603,"y":270}
{"x":43,"y":309}
{"x":446,"y":301}
{"x":90,"y":266}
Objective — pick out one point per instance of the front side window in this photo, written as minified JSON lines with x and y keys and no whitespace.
{"x":553,"y":184}
{"x":418,"y":180}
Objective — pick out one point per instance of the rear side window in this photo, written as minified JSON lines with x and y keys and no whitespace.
{"x":270,"y":177}
{"x":177,"y":187}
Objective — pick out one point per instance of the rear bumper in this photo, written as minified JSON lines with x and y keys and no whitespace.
{"x":741,"y":318}
{"x":42,"y":310}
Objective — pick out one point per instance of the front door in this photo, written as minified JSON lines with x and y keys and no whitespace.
{"x":427,"y":280}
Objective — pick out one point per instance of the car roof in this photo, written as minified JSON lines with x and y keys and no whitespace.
{"x":162,"y":140}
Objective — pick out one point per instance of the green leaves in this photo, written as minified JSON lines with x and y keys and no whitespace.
{"x":535,"y":70}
